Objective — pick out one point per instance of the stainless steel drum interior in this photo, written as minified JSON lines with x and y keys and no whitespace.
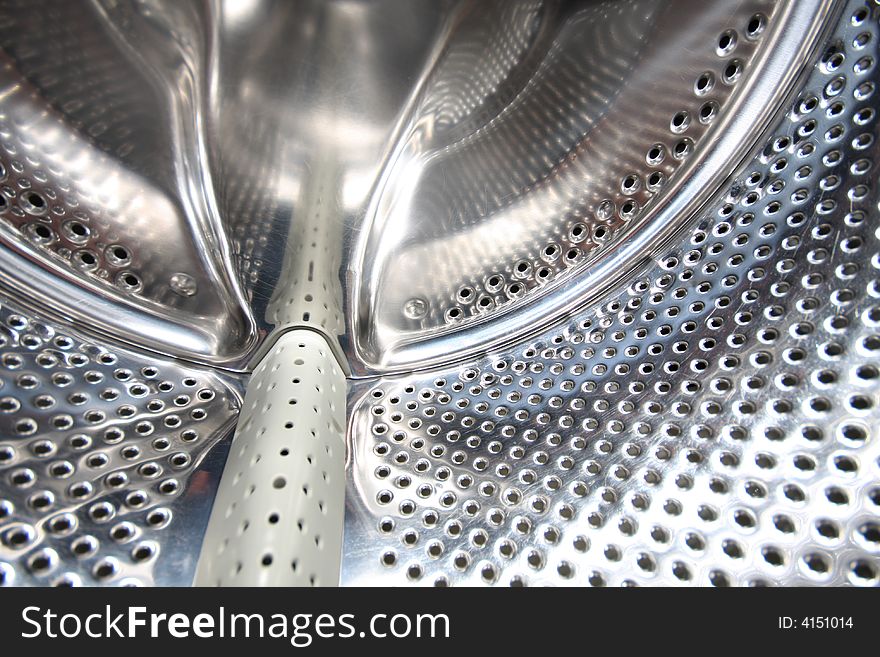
{"x":439,"y":292}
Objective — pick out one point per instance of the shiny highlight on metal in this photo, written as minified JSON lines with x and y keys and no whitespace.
{"x":586,"y":290}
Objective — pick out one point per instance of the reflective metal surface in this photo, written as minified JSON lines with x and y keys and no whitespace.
{"x":195,"y":192}
{"x":600,"y":273}
{"x":108,"y":459}
{"x":184,"y":178}
{"x":564,"y":173}
{"x":710,"y":420}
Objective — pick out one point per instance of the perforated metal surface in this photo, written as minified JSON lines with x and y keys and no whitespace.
{"x":575,"y":163}
{"x":603,"y":275}
{"x":98,"y":198}
{"x":712,"y":420}
{"x":511,"y":213}
{"x":108,"y":460}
